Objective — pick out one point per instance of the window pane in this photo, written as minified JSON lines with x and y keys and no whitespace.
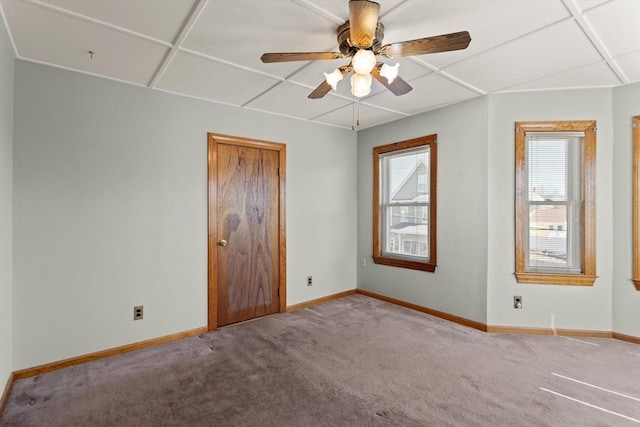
{"x":408,"y":231}
{"x":547,"y":161}
{"x":408,"y":178}
{"x":554,"y":193}
{"x":422,"y":183}
{"x":547,"y":236}
{"x":406,"y":195}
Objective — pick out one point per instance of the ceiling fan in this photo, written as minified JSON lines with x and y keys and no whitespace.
{"x":360,"y":38}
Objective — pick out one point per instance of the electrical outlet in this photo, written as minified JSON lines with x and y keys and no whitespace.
{"x":363,"y":262}
{"x":517,"y":302}
{"x":137,"y":312}
{"x":309,"y":280}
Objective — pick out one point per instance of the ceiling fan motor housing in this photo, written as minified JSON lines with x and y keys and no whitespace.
{"x":345,"y":45}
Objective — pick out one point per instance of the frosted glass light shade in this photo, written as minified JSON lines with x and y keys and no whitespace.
{"x":360,"y":85}
{"x":389,"y":71}
{"x":333,"y":78}
{"x":363,"y":61}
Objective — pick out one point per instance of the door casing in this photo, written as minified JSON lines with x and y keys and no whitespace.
{"x":213,"y":141}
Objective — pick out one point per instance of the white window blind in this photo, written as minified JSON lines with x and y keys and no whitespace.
{"x":404,"y":207}
{"x":553,"y":200}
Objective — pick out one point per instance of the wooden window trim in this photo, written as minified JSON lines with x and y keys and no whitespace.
{"x":588,"y":276}
{"x":636,"y":202}
{"x":378,"y":257}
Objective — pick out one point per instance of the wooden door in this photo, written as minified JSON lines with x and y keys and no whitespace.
{"x":246,"y":229}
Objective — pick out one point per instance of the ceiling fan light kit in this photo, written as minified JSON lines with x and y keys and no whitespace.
{"x":360,"y":84}
{"x":360,"y":38}
{"x":390,"y":72}
{"x":333,"y":78}
{"x":363,"y":61}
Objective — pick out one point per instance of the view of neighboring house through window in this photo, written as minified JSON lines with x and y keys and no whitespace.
{"x":404,"y":198}
{"x":555,"y":173}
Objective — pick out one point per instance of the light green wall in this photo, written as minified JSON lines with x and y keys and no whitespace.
{"x":6,"y":206}
{"x":110,"y":210}
{"x":547,"y":306}
{"x":459,"y":284}
{"x":626,"y":299}
{"x":476,"y":237}
{"x":108,"y":200}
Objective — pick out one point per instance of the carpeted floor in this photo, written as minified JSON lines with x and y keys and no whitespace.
{"x":351,"y":362}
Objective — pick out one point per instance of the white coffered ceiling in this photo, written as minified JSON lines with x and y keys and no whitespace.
{"x":210,"y":49}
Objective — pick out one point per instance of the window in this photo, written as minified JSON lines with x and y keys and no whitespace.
{"x":422,"y":183}
{"x":555,"y":202}
{"x":636,"y":201}
{"x":404,"y":197}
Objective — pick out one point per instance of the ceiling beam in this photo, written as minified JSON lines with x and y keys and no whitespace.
{"x":195,"y":13}
{"x":8,"y":32}
{"x":446,"y":75}
{"x":595,"y":40}
{"x":229,"y":63}
{"x":85,"y":18}
{"x":320,"y":11}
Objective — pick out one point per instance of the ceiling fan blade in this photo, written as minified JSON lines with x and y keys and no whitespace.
{"x":320,"y":91}
{"x":363,"y":20}
{"x":299,"y":56}
{"x":442,"y":43}
{"x":325,"y":87}
{"x":397,"y":87}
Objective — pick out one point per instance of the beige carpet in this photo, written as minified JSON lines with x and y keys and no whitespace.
{"x":351,"y":362}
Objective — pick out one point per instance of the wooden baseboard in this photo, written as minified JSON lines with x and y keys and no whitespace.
{"x":548,"y":331}
{"x":320,"y":300}
{"x":37,"y":370}
{"x":440,"y":314}
{"x":502,"y":329}
{"x":562,"y":332}
{"x":41,"y":369}
{"x":6,"y":392}
{"x":628,"y":338}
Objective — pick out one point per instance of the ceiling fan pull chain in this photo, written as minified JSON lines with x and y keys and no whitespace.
{"x":353,"y":113}
{"x":355,"y":120}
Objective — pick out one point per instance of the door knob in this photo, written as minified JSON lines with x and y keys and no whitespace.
{"x":222,"y":243}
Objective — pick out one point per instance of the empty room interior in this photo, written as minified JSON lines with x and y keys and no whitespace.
{"x":319,"y":212}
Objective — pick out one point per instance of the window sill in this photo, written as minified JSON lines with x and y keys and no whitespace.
{"x":556,"y":279}
{"x":403,"y":263}
{"x":637,"y":283}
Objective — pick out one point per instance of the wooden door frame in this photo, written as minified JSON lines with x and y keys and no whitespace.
{"x":212,"y":155}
